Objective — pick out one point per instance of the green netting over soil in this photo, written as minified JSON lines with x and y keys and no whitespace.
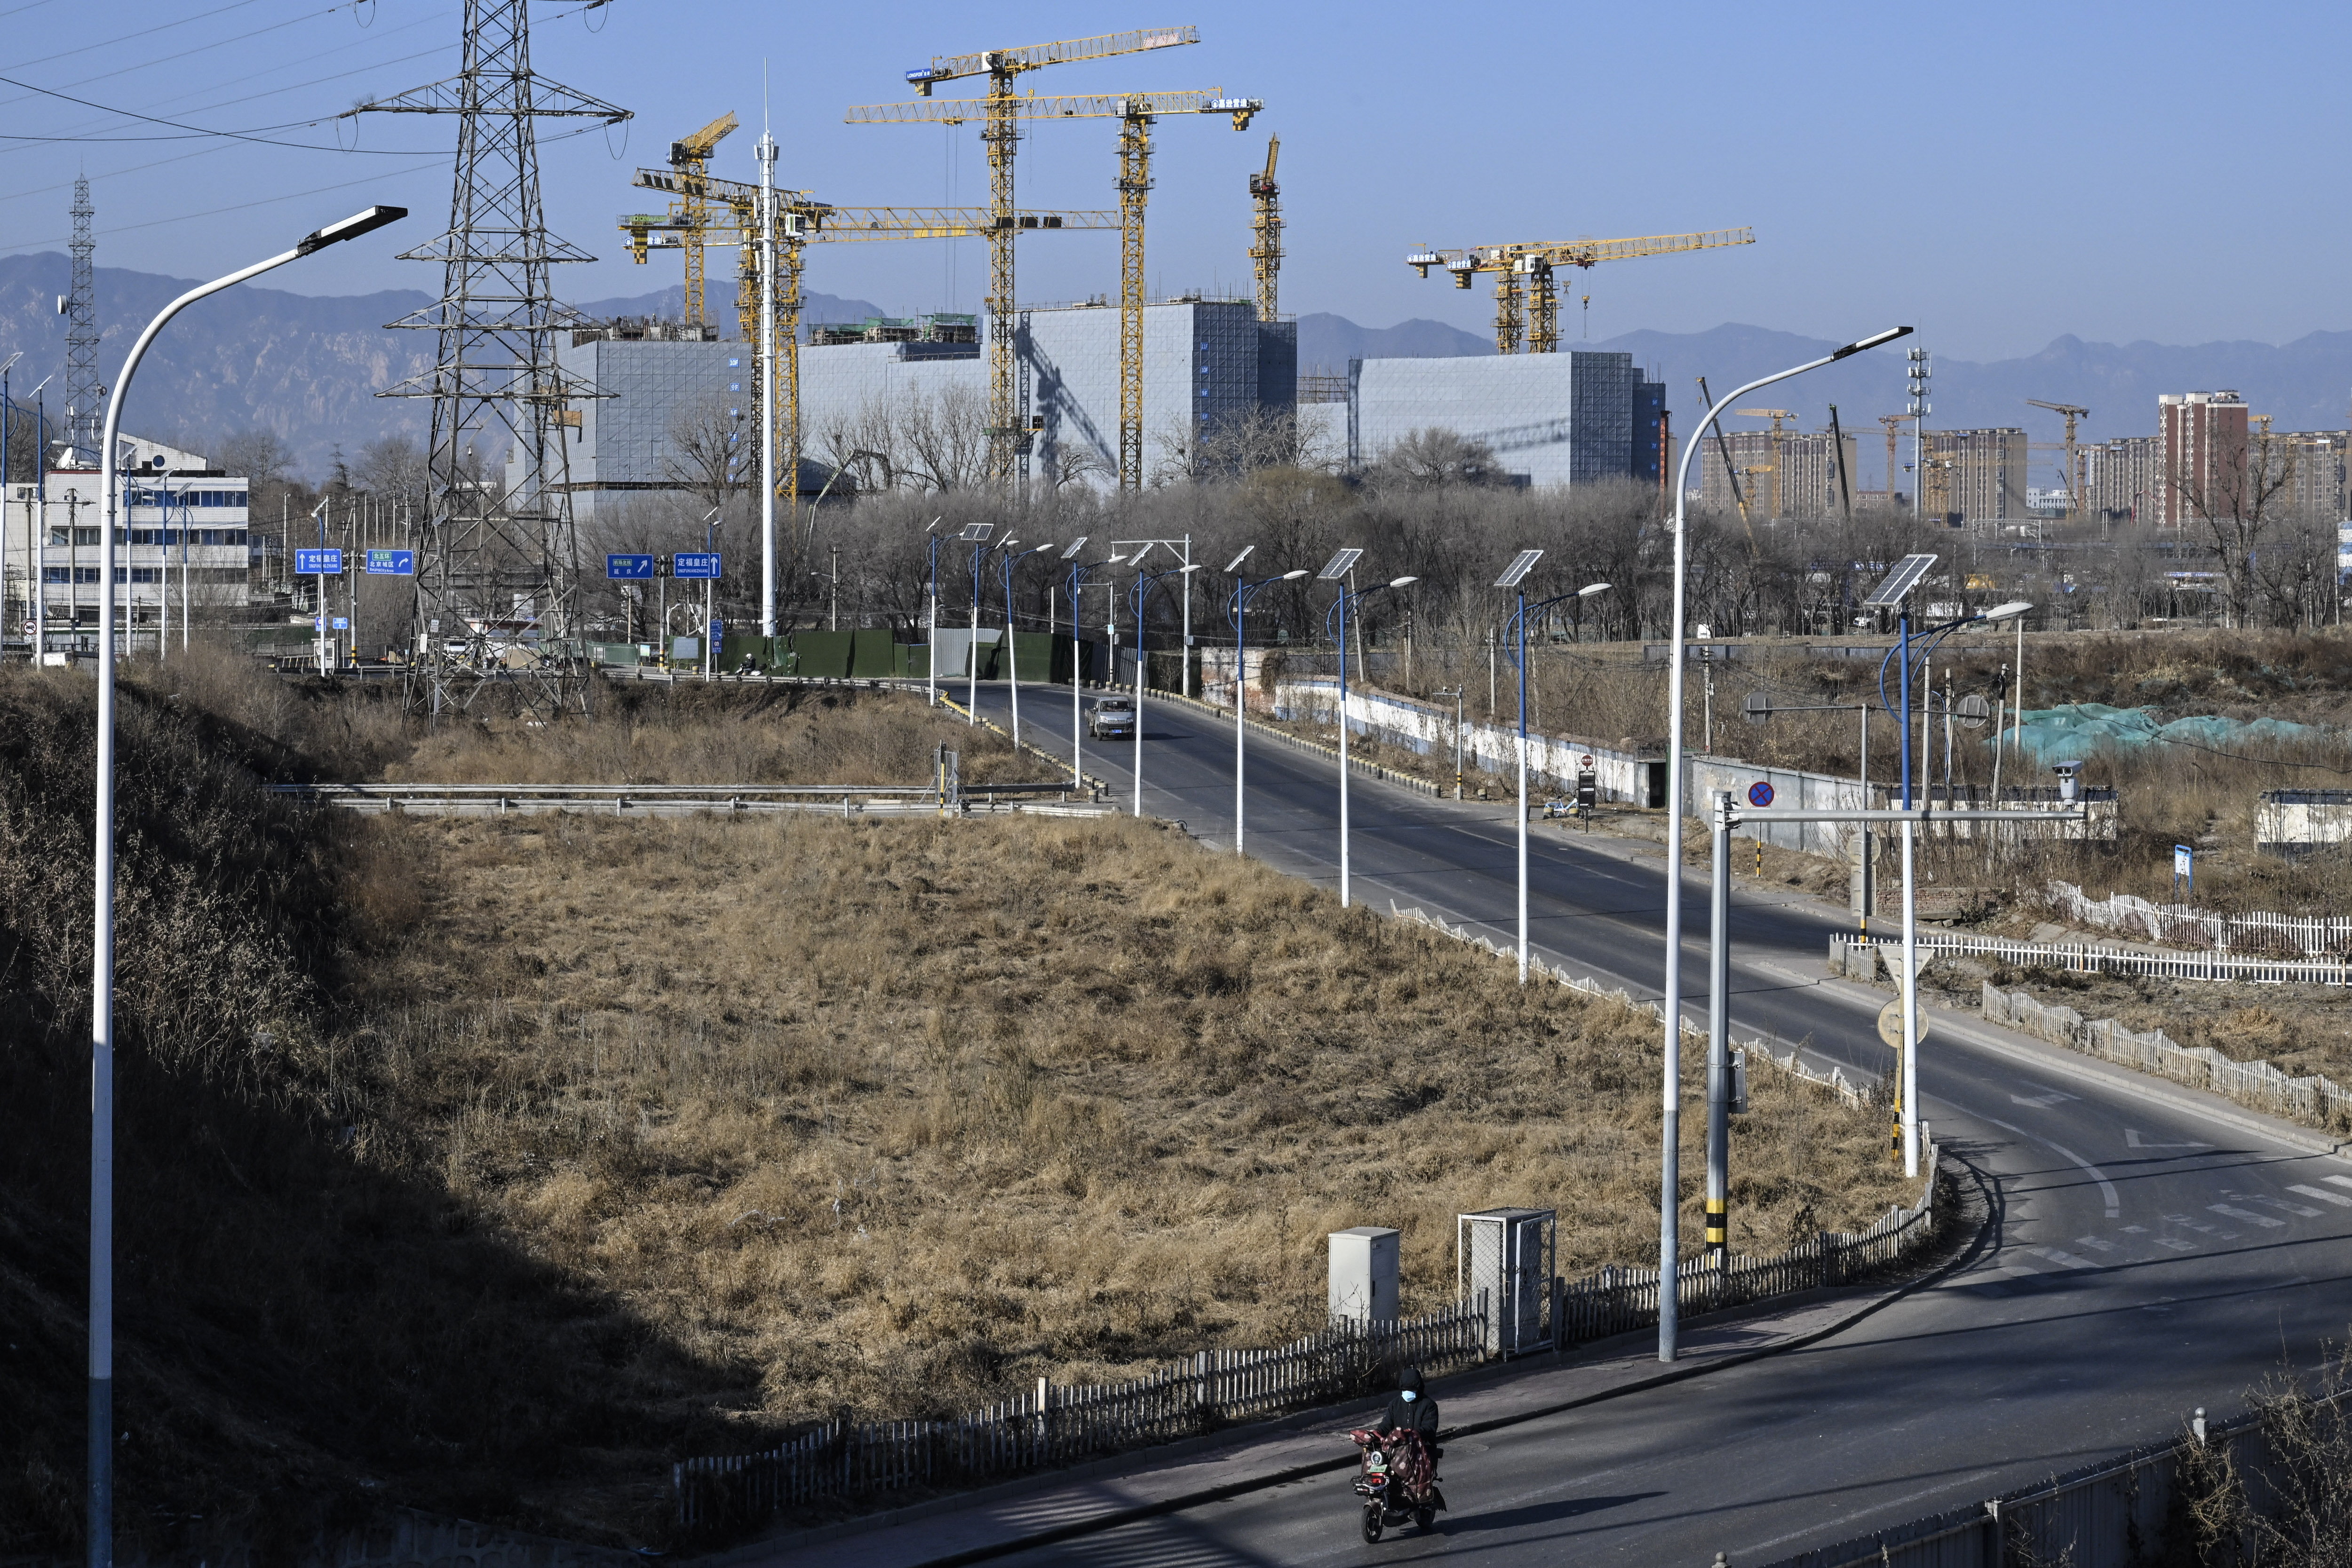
{"x":2079,"y":728}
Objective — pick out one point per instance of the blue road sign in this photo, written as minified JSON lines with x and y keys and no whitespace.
{"x":392,"y":562}
{"x":320,"y":563}
{"x":629,"y":568}
{"x":1760,"y":794}
{"x":695,"y":564}
{"x":342,"y":623}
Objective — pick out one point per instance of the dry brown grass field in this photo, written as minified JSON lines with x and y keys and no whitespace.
{"x":487,"y":1166}
{"x":898,"y":1116}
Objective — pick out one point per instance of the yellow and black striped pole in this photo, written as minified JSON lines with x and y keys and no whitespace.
{"x":1719,"y":1031}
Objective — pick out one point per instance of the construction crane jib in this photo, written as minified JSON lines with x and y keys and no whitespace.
{"x":2076,"y":481}
{"x":999,"y":115}
{"x":800,"y":221}
{"x":1527,"y":299}
{"x":1135,"y":112}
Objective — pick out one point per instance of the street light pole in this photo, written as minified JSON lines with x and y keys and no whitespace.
{"x":1243,"y":591}
{"x":972,"y":651}
{"x":1078,"y":570}
{"x":1514,"y":577}
{"x":101,"y":957}
{"x":1142,"y":595}
{"x":1011,"y":652}
{"x":766,"y":152}
{"x":1670,"y":1132}
{"x":1340,"y":608}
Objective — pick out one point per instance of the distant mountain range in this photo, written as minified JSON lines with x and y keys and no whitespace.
{"x":308,"y":366}
{"x":305,"y":366}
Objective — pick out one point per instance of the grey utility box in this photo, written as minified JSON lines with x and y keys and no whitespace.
{"x":1364,"y":1274}
{"x":1506,"y":1255}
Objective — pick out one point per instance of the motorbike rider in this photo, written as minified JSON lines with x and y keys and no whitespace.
{"x":1412,"y":1418}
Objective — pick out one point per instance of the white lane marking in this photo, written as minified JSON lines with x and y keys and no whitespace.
{"x":2045,"y":1099}
{"x":2135,"y":1230}
{"x":2338,"y":1181}
{"x":2107,"y":1187}
{"x":2178,"y":1245}
{"x":2132,"y":1140}
{"x":2068,"y":1259}
{"x":2270,"y":1203}
{"x":2338,"y":1199}
{"x":2248,"y":1215}
{"x":2096,"y":1243}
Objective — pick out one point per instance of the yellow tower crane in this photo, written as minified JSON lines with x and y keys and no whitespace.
{"x":997,"y":114}
{"x":1522,"y":281}
{"x":1893,"y":423}
{"x":1265,"y":255}
{"x":689,"y":157}
{"x":1776,"y":416}
{"x":1136,"y":113}
{"x":2075,"y":479}
{"x":801,"y":221}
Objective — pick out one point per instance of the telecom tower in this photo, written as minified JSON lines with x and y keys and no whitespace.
{"x":497,"y":557}
{"x":84,"y":399}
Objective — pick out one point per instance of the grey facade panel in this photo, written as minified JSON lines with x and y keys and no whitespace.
{"x":1552,"y":419}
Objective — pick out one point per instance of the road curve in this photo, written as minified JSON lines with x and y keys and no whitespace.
{"x":2148,"y":1252}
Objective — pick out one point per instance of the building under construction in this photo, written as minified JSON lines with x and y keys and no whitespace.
{"x":1781,"y":474}
{"x":1975,"y":478}
{"x":1550,"y":419}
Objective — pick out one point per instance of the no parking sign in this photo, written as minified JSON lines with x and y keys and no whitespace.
{"x":1760,"y":794}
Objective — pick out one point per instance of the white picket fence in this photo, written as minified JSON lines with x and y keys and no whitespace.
{"x":2085,"y":958}
{"x":2316,"y":1101}
{"x":2182,"y":925}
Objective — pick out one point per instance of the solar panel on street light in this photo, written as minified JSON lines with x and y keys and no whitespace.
{"x":1235,"y":563}
{"x":1076,"y":545}
{"x":1899,"y":581}
{"x":973,"y":532}
{"x":1521,"y":564}
{"x":1337,"y":567}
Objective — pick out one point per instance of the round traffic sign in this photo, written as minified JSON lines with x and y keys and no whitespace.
{"x":1760,"y":794}
{"x":1972,"y":710}
{"x":1585,"y":763}
{"x":1890,"y":1024}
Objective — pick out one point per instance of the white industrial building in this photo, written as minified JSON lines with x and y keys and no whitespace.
{"x":900,"y":400}
{"x":181,"y":539}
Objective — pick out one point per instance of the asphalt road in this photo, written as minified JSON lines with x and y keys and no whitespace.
{"x":2144,"y":1258}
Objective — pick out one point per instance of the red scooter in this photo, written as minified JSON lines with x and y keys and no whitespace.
{"x":1386,"y":1481}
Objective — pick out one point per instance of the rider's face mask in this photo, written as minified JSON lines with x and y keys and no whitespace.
{"x":1410,"y":1395}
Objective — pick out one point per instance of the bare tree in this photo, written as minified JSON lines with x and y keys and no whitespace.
{"x":1428,"y":458}
{"x":705,"y":450}
{"x":945,"y":437}
{"x":2250,"y":490}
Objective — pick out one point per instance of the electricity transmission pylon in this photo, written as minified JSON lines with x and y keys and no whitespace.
{"x":497,"y":585}
{"x":84,"y":399}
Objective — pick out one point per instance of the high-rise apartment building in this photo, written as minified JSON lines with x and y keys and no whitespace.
{"x":2312,"y":464}
{"x":2120,"y":479}
{"x":2200,"y":457}
{"x":1974,"y":476}
{"x":1797,"y":477}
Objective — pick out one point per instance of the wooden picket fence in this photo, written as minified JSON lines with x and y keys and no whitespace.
{"x":1054,"y":1427}
{"x":2086,"y":958}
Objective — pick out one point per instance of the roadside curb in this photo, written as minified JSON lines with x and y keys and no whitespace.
{"x":1959,"y":1254}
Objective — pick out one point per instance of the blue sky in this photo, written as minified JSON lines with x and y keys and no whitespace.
{"x":1995,"y":173}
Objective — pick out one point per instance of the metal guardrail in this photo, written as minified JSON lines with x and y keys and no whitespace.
{"x":681,"y":800}
{"x":1062,"y":1426}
